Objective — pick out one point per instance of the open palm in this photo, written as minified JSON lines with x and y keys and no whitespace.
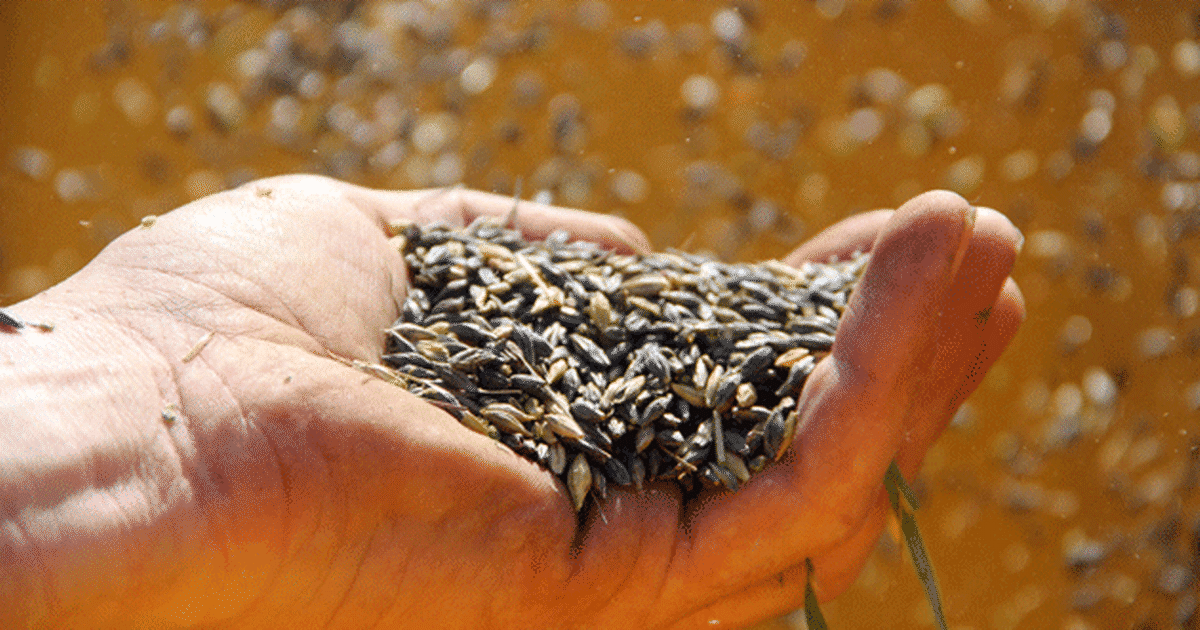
{"x":302,"y":492}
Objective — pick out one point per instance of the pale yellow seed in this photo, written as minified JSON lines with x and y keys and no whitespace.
{"x":791,"y":357}
{"x":737,"y":466}
{"x":474,"y":423}
{"x":558,"y":458}
{"x":645,"y":305}
{"x":491,"y":250}
{"x":579,"y":481}
{"x":599,"y":309}
{"x":646,"y":284}
{"x":746,"y":395}
{"x":556,"y":371}
{"x":692,"y":395}
{"x":714,"y":377}
{"x":789,"y":433}
{"x":565,"y":425}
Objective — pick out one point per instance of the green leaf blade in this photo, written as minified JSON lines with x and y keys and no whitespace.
{"x":896,"y":485}
{"x":812,"y":608}
{"x":896,"y":479}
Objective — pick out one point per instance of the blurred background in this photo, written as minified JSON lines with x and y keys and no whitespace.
{"x":1064,"y":494}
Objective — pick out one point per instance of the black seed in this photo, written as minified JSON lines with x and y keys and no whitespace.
{"x":617,"y":473}
{"x":754,"y":364}
{"x":586,"y":411}
{"x":670,"y":439}
{"x":399,"y":359}
{"x":655,"y":409}
{"x":451,"y":289}
{"x":417,"y":372}
{"x":725,"y":390}
{"x":471,"y":333}
{"x":589,"y":350}
{"x":818,"y":341}
{"x":528,"y":383}
{"x":451,"y":305}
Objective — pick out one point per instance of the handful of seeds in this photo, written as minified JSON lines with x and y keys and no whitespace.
{"x":612,"y":369}
{"x":616,"y":369}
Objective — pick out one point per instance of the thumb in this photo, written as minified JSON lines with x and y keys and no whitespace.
{"x":853,"y":405}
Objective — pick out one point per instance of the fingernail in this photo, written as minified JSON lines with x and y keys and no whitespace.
{"x":964,"y":240}
{"x":1016,"y":233}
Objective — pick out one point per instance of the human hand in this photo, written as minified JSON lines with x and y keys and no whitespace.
{"x":290,"y":490}
{"x":934,"y":310}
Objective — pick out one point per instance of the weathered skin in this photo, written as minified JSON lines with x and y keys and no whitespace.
{"x":290,"y":490}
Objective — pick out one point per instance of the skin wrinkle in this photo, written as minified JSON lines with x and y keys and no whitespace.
{"x":370,"y":440}
{"x":696,"y":607}
{"x":181,"y":314}
{"x":672,"y":551}
{"x":1008,"y":313}
{"x":789,"y":581}
{"x":172,"y":454}
{"x":250,"y":428}
{"x":335,"y":528}
{"x":612,"y":586}
{"x":122,"y":521}
{"x":45,"y":580}
{"x":622,"y":582}
{"x":146,"y":289}
{"x":388,"y":612}
{"x":866,"y":395}
{"x":235,"y":299}
{"x":403,"y":579}
{"x":496,"y":605}
{"x":681,"y":550}
{"x":636,"y":566}
{"x":457,"y":206}
{"x":298,"y":542}
{"x":274,"y":580}
{"x":849,"y":521}
{"x":95,"y":465}
{"x":989,"y":249}
{"x":522,"y":518}
{"x":206,"y":486}
{"x":84,"y":468}
{"x":339,"y":493}
{"x":677,"y":535}
{"x":181,"y":486}
{"x":363,"y":555}
{"x":279,"y":303}
{"x":788,"y":595}
{"x":116,"y":512}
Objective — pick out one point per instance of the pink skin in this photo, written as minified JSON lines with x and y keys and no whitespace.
{"x":294,"y":491}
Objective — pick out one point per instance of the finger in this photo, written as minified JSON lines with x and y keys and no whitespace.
{"x":850,"y":410}
{"x":840,"y":240}
{"x":1004,"y":318}
{"x":458,"y":207}
{"x":839,"y":567}
{"x":783,"y":592}
{"x":777,"y":595}
{"x":965,"y":338}
{"x":625,"y":544}
{"x":355,"y":454}
{"x":382,"y":437}
{"x":853,"y":405}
